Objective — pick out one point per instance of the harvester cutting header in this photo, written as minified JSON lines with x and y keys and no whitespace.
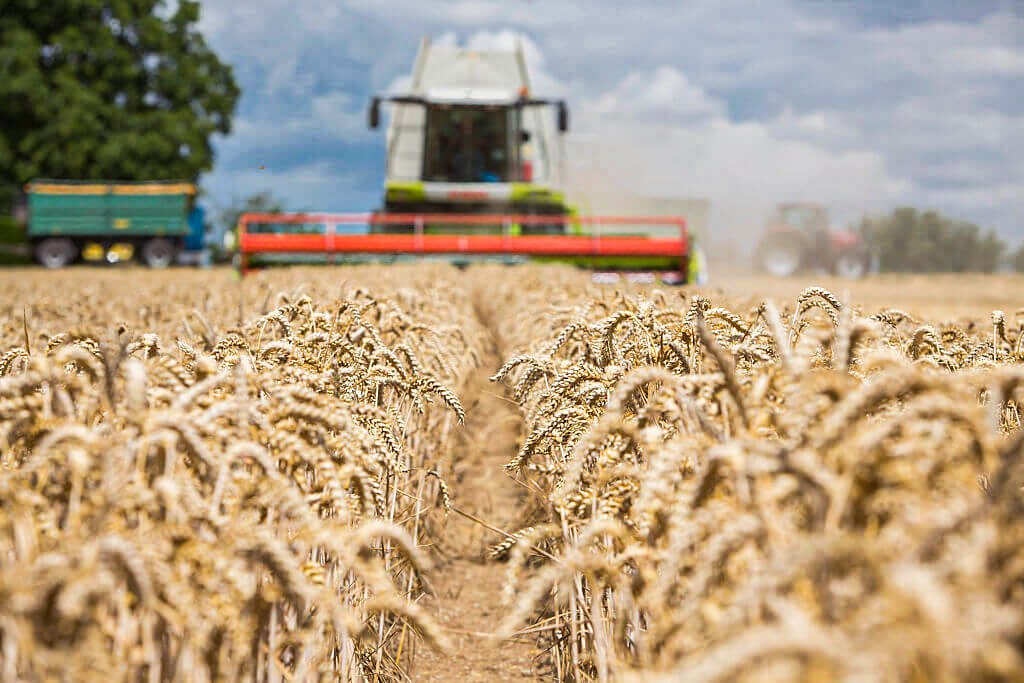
{"x":475,"y":168}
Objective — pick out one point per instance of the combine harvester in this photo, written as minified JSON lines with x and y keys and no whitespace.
{"x":475,"y":171}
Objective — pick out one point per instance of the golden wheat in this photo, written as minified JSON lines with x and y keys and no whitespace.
{"x":226,"y":493}
{"x":834,"y":499}
{"x":202,"y":479}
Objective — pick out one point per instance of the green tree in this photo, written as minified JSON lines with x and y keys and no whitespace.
{"x":1017,"y":259}
{"x":108,"y":89}
{"x":260,"y":202}
{"x":225,"y":235}
{"x":908,"y":240}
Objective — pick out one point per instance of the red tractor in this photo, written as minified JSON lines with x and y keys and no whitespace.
{"x":798,"y":237}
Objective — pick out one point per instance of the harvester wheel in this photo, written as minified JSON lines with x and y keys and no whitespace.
{"x":780,"y":255}
{"x":158,"y":252}
{"x":543,"y":229}
{"x":55,"y":252}
{"x":556,"y":227}
{"x":389,"y":228}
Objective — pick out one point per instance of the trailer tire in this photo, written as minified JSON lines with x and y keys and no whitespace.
{"x":158,"y":252}
{"x":55,"y":252}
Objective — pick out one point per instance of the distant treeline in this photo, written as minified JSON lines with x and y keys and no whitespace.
{"x":910,"y":240}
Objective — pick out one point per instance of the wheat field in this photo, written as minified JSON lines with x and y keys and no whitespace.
{"x":387,"y":473}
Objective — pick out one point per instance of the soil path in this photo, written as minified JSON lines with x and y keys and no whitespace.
{"x":468,"y":587}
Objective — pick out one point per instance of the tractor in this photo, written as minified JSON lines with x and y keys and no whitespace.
{"x":798,"y":237}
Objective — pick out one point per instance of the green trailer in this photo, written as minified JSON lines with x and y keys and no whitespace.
{"x":71,"y":220}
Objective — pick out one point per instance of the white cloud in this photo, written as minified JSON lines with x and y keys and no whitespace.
{"x":331,"y":117}
{"x":823,"y":126}
{"x":985,"y":59}
{"x":956,"y":127}
{"x":662,"y":94}
{"x":339,"y":115}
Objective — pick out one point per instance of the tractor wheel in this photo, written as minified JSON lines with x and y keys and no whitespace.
{"x":851,"y":264}
{"x":780,"y":255}
{"x":55,"y":252}
{"x":158,"y":252}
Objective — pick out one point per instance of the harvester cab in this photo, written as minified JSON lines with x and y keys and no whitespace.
{"x":468,"y":138}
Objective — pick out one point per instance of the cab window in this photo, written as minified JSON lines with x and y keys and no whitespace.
{"x":467,"y":144}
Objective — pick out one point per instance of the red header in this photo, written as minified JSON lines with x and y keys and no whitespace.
{"x":416,"y":242}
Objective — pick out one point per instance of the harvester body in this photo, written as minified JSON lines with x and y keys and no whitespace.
{"x":475,"y":170}
{"x":798,"y":237}
{"x":467,"y":137}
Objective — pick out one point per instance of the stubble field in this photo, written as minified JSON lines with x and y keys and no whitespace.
{"x":421,"y":473}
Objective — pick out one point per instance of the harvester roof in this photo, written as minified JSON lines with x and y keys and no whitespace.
{"x":456,"y":75}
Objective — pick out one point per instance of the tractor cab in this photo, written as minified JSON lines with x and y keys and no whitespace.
{"x":808,"y":219}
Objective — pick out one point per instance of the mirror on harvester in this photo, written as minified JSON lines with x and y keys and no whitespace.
{"x":373,"y":115}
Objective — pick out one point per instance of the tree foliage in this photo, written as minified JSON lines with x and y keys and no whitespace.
{"x":908,"y":240}
{"x":108,"y":89}
{"x":260,"y":202}
{"x":225,"y":228}
{"x":1017,"y":259}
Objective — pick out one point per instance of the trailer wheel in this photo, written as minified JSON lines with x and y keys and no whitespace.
{"x":158,"y":252}
{"x":55,"y":252}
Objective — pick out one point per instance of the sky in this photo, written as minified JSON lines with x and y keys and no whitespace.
{"x":860,"y":106}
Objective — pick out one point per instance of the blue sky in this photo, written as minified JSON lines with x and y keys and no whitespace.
{"x":862,"y":106}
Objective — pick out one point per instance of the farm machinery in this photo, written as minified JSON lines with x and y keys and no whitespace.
{"x":475,"y":166}
{"x":798,"y":237}
{"x":157,"y":222}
